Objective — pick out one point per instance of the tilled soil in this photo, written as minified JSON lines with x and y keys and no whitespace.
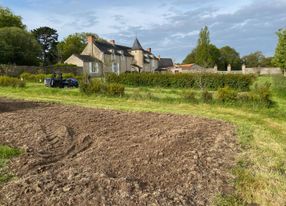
{"x":80,"y":156}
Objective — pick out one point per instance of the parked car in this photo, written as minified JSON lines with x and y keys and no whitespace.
{"x":60,"y":82}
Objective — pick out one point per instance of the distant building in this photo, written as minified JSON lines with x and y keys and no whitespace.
{"x":186,"y":68}
{"x":102,"y":57}
{"x":165,"y":64}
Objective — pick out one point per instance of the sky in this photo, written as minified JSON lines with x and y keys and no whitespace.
{"x":169,"y":27}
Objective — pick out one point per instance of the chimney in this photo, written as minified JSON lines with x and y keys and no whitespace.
{"x":159,"y":57}
{"x":112,"y":42}
{"x":90,"y":39}
{"x":149,"y":50}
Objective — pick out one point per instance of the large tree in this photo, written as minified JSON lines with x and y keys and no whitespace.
{"x":280,"y":52}
{"x":8,"y":19}
{"x":229,"y":56}
{"x":253,"y":59}
{"x":18,"y":47}
{"x":203,"y":48}
{"x":205,"y":54}
{"x":48,"y":39}
{"x":73,"y":44}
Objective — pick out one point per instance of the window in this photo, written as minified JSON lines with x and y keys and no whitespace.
{"x":93,"y":67}
{"x":115,"y":68}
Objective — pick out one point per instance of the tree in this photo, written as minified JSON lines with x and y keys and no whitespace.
{"x":73,"y":44}
{"x":202,"y":50}
{"x":267,"y":62}
{"x":205,"y":54}
{"x":253,"y":59}
{"x":280,"y":52}
{"x":230,"y":56}
{"x":48,"y":39}
{"x":18,"y":47}
{"x":8,"y":19}
{"x":190,"y":58}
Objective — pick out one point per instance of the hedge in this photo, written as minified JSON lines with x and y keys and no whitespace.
{"x":41,"y":77}
{"x":6,"y":81}
{"x":197,"y":80}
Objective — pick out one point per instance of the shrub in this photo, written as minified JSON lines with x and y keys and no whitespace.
{"x":98,"y":87}
{"x":226,"y":94}
{"x":279,"y":85}
{"x":206,"y":96}
{"x":11,"y":82}
{"x":198,"y":80}
{"x":115,"y":89}
{"x":262,"y":94}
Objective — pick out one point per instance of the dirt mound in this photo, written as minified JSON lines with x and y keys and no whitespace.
{"x":79,"y":156}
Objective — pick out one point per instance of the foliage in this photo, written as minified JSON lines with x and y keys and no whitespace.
{"x":226,"y":95}
{"x":208,"y":80}
{"x":115,"y":89}
{"x":5,"y":154}
{"x":279,"y":85}
{"x":262,"y":94}
{"x":257,"y":59}
{"x":48,"y":39}
{"x":33,"y":77}
{"x":96,"y":86}
{"x":205,"y":54}
{"x":11,"y":82}
{"x":8,"y":19}
{"x":73,"y":44}
{"x":18,"y":47}
{"x":230,"y":56}
{"x":280,"y":52}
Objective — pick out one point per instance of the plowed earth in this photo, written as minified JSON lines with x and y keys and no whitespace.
{"x":80,"y":156}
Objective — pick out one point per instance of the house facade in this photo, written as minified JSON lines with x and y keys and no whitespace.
{"x":103,"y":57}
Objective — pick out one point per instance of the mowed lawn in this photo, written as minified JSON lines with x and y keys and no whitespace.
{"x":261,"y":166}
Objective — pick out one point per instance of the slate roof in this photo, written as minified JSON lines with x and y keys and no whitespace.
{"x":85,"y":58}
{"x":165,"y":63}
{"x":137,"y":45}
{"x":106,"y":48}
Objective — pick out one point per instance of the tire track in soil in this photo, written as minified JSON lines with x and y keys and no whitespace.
{"x":80,"y":156}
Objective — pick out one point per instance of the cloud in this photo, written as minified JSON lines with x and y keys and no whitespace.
{"x":170,"y":27}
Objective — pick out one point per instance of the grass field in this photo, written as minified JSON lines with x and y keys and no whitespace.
{"x":261,"y":166}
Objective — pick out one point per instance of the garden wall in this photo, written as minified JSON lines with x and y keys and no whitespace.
{"x":12,"y":70}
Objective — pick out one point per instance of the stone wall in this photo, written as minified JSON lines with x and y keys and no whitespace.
{"x":13,"y":70}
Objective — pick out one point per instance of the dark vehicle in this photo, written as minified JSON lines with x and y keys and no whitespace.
{"x":59,"y":82}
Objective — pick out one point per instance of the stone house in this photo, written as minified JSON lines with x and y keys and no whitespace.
{"x":100,"y":57}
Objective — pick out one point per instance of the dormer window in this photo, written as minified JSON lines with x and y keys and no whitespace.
{"x":120,"y":52}
{"x":111,"y":51}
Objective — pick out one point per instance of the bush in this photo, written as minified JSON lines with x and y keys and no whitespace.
{"x":279,"y":85}
{"x":11,"y":82}
{"x":33,"y":77}
{"x":262,"y":94}
{"x":226,"y":95}
{"x":206,"y":96}
{"x":198,"y":80}
{"x":115,"y":89}
{"x":98,"y":87}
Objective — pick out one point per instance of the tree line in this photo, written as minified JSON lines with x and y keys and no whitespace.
{"x":42,"y":47}
{"x":208,"y":55}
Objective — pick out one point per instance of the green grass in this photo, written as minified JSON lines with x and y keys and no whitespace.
{"x":6,"y":153}
{"x":260,"y":173}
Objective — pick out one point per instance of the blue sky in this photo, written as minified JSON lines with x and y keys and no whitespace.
{"x":169,"y":27}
